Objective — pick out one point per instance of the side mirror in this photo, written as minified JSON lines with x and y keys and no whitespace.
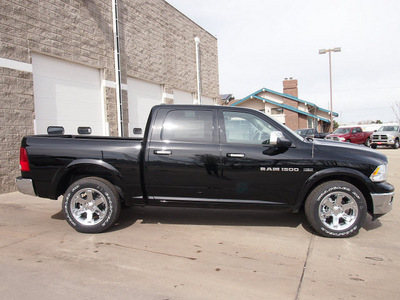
{"x":55,"y":130}
{"x":278,"y":139}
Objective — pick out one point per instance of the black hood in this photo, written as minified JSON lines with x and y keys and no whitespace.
{"x":350,"y":151}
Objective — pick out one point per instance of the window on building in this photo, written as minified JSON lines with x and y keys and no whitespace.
{"x":188,"y":126}
{"x":310,"y":122}
{"x":276,"y":111}
{"x":244,"y":128}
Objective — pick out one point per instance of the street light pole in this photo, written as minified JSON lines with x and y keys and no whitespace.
{"x":323,"y":51}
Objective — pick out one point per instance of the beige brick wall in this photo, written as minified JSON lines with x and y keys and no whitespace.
{"x":157,"y":44}
{"x":160,"y":47}
{"x":16,"y":120}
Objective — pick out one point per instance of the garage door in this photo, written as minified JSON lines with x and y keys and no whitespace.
{"x":67,"y":94}
{"x":207,"y":101}
{"x":182,"y":97}
{"x":142,"y":96}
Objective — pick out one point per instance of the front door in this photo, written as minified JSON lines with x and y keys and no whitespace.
{"x":254,"y":171}
{"x":357,"y":135}
{"x":183,"y":157}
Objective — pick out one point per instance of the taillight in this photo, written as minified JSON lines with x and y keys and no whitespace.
{"x":23,"y":160}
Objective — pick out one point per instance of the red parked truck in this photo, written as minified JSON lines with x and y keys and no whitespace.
{"x":353,"y":135}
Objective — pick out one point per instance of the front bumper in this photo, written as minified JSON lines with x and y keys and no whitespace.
{"x":377,"y":142}
{"x":382,"y":203}
{"x":25,"y":186}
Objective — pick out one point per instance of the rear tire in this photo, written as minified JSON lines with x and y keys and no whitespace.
{"x":336,"y":209}
{"x":91,"y":205}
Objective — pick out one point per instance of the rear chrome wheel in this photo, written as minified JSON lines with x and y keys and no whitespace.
{"x":91,"y":205}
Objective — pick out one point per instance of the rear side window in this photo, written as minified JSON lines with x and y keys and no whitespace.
{"x":188,"y":126}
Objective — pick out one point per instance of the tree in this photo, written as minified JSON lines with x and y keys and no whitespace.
{"x":335,"y":125}
{"x":396,"y":110}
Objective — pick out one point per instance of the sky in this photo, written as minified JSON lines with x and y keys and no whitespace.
{"x":261,"y":42}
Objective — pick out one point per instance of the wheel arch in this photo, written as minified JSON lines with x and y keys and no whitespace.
{"x":351,"y":176}
{"x":82,"y":168}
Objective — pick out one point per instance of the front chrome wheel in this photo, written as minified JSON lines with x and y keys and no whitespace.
{"x":338,"y":211}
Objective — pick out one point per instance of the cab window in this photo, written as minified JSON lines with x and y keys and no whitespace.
{"x":188,"y":126}
{"x":244,"y":128}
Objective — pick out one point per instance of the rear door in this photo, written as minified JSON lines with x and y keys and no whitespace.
{"x":183,"y":156}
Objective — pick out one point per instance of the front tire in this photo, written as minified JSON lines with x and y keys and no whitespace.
{"x":368,"y":142}
{"x":396,"y":144}
{"x":336,"y":209}
{"x":91,"y":205}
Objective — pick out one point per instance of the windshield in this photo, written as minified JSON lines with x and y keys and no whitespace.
{"x":389,"y":128}
{"x":342,"y":130}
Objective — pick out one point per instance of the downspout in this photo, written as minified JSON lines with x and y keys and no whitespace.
{"x":197,"y":41}
{"x":117,"y":63}
{"x":315,"y":119}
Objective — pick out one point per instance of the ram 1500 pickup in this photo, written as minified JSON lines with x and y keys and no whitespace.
{"x":208,"y":156}
{"x":386,"y":136}
{"x":353,"y":135}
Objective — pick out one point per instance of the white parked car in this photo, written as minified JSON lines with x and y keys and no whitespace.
{"x":388,"y":135}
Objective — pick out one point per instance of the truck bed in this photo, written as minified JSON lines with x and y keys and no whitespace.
{"x":54,"y":159}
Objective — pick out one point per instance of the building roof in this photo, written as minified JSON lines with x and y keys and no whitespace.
{"x":254,"y":96}
{"x":226,"y":96}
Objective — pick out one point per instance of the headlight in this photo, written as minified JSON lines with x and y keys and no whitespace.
{"x":342,"y":139}
{"x":380,"y":173}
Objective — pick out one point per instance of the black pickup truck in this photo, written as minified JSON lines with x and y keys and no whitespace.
{"x":208,"y":156}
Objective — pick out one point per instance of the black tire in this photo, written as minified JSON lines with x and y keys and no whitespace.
{"x":367,"y":142}
{"x":347,"y":141}
{"x":336,"y":209}
{"x":396,"y":144}
{"x":373,"y":146}
{"x":91,"y":205}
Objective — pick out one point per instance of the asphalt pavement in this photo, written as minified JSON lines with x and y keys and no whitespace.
{"x":185,"y":253}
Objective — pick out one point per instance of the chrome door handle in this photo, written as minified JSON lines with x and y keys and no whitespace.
{"x":162,"y":152}
{"x":236,"y":155}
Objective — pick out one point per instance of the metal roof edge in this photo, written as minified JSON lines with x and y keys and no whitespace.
{"x":246,"y":98}
{"x":292,"y":109}
{"x":335,"y":114}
